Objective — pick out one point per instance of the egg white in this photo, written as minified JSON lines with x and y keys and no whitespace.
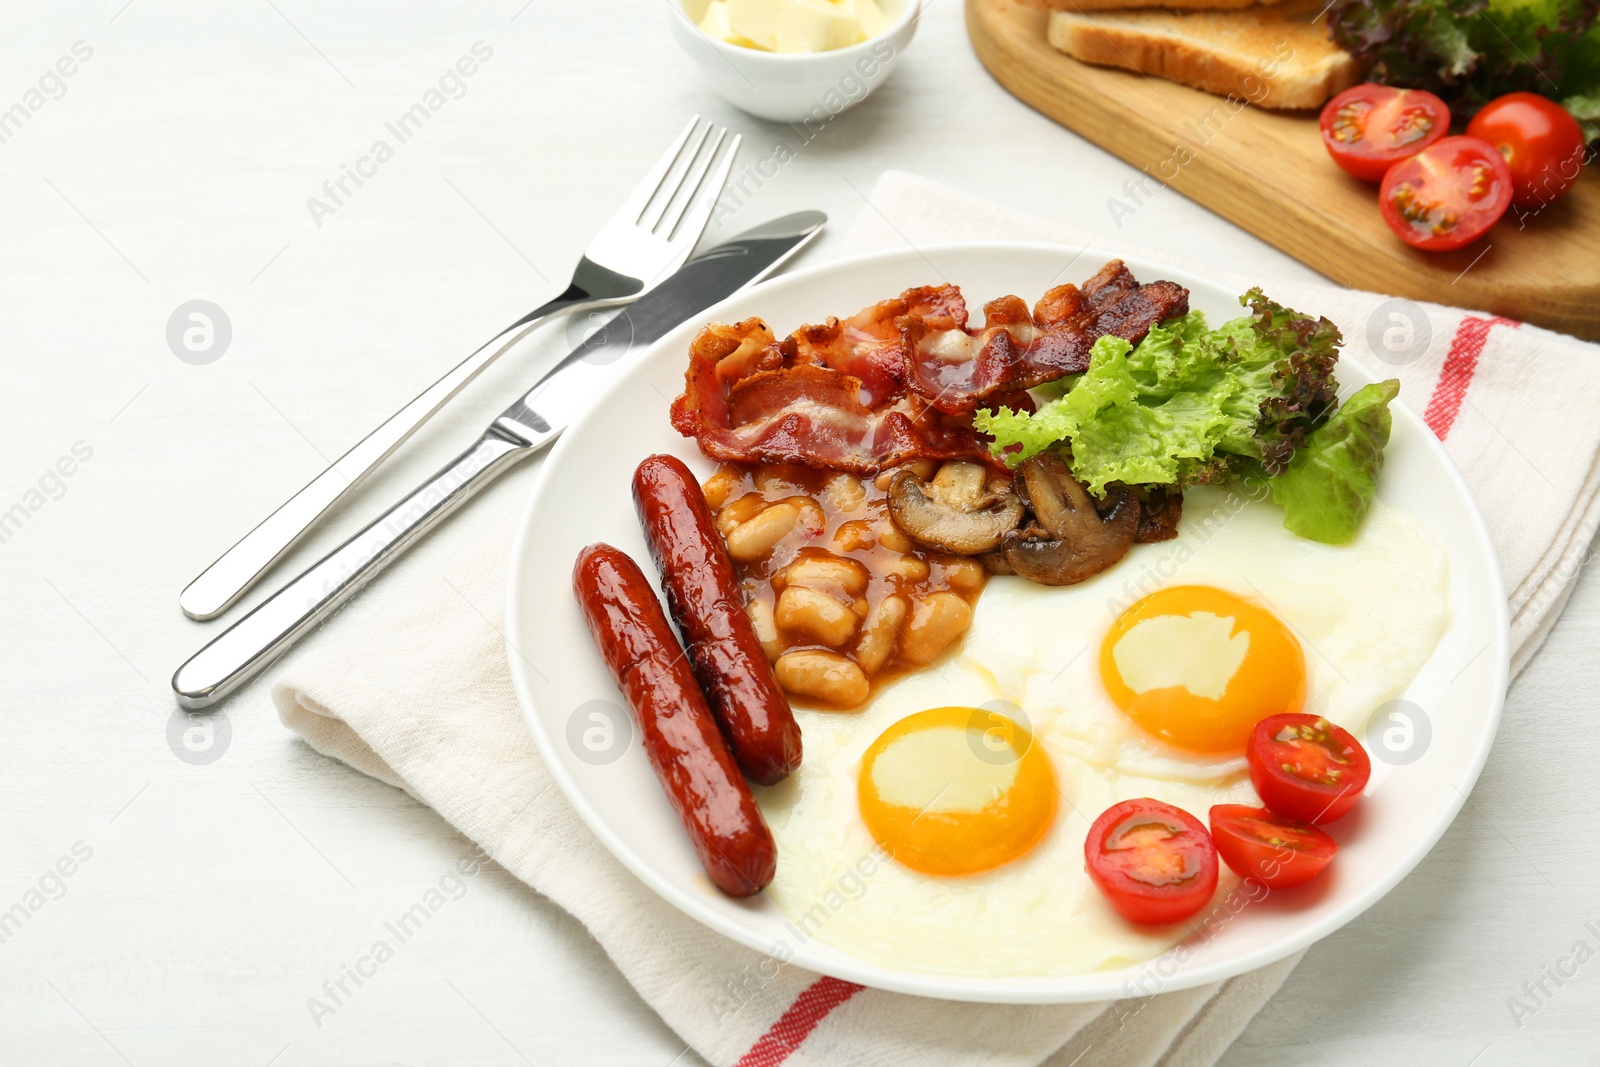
{"x":1368,"y":615}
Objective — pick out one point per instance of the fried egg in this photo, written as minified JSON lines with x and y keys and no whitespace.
{"x":921,"y":832}
{"x":1198,"y":667}
{"x":1335,"y":630}
{"x":956,"y":790}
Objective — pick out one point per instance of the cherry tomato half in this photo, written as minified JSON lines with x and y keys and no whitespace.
{"x":1369,"y":128}
{"x":1275,"y":851}
{"x":1540,"y":140}
{"x":1447,"y":195}
{"x":1305,"y":768}
{"x":1154,"y":862}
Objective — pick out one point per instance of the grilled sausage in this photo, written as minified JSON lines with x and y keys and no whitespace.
{"x":680,"y":736}
{"x":704,"y":599}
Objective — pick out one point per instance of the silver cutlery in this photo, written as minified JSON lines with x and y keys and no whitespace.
{"x":649,"y":238}
{"x":533,"y":421}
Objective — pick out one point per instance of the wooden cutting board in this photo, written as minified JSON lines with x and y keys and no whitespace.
{"x":1268,"y":172}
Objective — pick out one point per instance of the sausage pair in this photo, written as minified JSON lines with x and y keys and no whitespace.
{"x":696,"y":755}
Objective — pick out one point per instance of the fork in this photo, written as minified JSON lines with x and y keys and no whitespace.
{"x":647,"y":240}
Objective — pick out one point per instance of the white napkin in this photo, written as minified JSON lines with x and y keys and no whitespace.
{"x":421,"y":699}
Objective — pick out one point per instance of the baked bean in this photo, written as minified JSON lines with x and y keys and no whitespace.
{"x":923,"y":468}
{"x":765,"y":626}
{"x":825,"y":676}
{"x":881,"y":633}
{"x":964,"y":575}
{"x":744,"y":509}
{"x":853,"y":536}
{"x":720,"y":486}
{"x":845,"y":493}
{"x":890,"y":537}
{"x":816,"y":615}
{"x":936,"y":621}
{"x":909,"y":568}
{"x":772,"y":480}
{"x":755,"y":537}
{"x":812,"y":516}
{"x":823,"y":572}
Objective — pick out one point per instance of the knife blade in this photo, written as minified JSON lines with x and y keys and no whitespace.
{"x":549,"y":407}
{"x":534,"y":420}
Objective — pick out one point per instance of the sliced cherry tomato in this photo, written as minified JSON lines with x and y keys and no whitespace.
{"x":1369,"y":128}
{"x":1447,"y":195}
{"x":1540,"y":140}
{"x":1154,"y":862}
{"x":1305,"y":768}
{"x":1275,"y":851}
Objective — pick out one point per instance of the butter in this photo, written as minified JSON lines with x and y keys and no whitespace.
{"x":794,"y":25}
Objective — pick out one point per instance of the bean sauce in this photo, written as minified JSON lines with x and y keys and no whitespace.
{"x":841,"y":599}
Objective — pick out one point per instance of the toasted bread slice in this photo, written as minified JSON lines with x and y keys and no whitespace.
{"x":1276,"y":57}
{"x":1130,"y":5}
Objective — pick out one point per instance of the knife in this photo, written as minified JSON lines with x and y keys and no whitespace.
{"x":523,"y":429}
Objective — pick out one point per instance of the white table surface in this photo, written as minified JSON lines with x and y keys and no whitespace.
{"x":217,"y":898}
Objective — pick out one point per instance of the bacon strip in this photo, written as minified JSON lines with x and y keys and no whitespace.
{"x":808,"y":414}
{"x":899,"y":380}
{"x":958,"y":372}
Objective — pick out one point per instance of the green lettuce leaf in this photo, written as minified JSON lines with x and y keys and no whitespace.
{"x":1187,"y":405}
{"x":1284,"y":362}
{"x":1141,"y":416}
{"x":1471,"y":51}
{"x":1329,"y":484}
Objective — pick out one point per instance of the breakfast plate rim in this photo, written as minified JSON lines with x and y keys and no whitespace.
{"x":724,"y":919}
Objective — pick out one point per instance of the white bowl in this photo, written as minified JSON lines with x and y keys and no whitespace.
{"x":805,"y":87}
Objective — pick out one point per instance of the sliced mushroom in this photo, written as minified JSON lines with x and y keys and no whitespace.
{"x":961,"y":484}
{"x":994,"y":561}
{"x":962,"y":510}
{"x":1071,"y":538}
{"x":1057,"y":498}
{"x":1160,"y":510}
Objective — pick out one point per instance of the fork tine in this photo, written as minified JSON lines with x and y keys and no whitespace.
{"x":696,"y":213}
{"x":689,"y":183}
{"x":639,"y":199}
{"x":688,"y":168}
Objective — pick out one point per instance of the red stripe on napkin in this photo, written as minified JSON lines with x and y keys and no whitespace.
{"x":808,"y":1009}
{"x":1459,"y":365}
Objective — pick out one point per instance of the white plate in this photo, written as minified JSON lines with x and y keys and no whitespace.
{"x":583,"y":497}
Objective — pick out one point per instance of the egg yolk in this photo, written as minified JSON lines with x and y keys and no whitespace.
{"x":1199,"y":667}
{"x":953,"y":791}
